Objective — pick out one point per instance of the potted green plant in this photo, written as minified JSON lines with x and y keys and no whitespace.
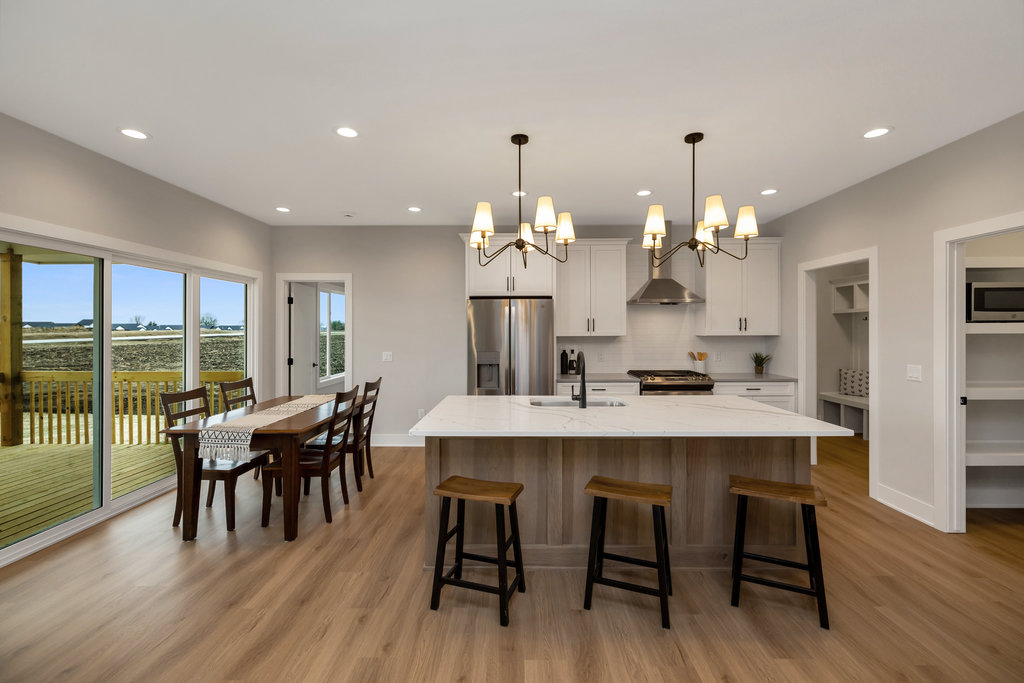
{"x":760,"y":360}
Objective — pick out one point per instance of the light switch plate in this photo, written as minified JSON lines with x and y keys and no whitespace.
{"x":386,"y":357}
{"x":914,"y":373}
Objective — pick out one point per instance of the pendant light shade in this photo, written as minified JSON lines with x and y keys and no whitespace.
{"x":479,"y":240}
{"x":703,"y":235}
{"x":565,"y":234}
{"x":651,"y":242}
{"x":545,"y":220}
{"x":526,"y":234}
{"x":655,"y":224}
{"x":714,"y":213}
{"x":746,"y":222}
{"x":483,"y":222}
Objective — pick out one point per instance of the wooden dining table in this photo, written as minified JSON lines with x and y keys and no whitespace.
{"x":286,"y":435}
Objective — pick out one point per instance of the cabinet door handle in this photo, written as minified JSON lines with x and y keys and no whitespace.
{"x":596,"y":389}
{"x":588,"y":324}
{"x":740,"y":323}
{"x":507,"y":286}
{"x":593,"y":324}
{"x":753,"y":388}
{"x":744,"y":324}
{"x":513,"y":283}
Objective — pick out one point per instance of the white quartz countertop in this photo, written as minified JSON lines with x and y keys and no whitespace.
{"x":650,"y":416}
{"x":749,"y":377}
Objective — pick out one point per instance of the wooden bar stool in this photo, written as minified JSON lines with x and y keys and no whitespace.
{"x":807,"y":496}
{"x":502,"y":494}
{"x":659,"y":496}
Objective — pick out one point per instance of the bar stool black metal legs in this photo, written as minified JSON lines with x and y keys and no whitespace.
{"x":659,"y":496}
{"x":502,"y":495}
{"x":807,"y":497}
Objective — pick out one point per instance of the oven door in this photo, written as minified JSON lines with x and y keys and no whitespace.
{"x":674,"y":391}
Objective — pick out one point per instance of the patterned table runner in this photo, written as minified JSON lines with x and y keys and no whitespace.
{"x":230,"y":440}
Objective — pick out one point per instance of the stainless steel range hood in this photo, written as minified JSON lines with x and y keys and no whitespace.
{"x":661,"y":288}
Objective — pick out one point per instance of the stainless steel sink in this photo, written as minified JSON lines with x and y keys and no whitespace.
{"x":567,"y":403}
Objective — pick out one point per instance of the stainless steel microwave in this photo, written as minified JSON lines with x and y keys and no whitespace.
{"x":995,"y":302}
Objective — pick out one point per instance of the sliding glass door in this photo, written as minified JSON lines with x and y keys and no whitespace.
{"x":222,"y":335}
{"x":50,"y":437}
{"x":147,"y":359}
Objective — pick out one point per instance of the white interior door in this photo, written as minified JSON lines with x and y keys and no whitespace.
{"x":304,"y":341}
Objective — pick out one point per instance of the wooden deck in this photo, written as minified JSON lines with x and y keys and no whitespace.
{"x":44,"y":484}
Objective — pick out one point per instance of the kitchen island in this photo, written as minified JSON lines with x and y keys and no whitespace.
{"x":691,"y":442}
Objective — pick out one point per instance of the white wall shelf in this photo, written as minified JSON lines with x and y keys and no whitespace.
{"x":994,"y":453}
{"x":995,"y":328}
{"x":850,"y":295}
{"x":996,"y":390}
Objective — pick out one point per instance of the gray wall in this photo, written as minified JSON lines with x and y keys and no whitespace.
{"x":408,"y":297}
{"x":977,"y":177}
{"x":47,"y":178}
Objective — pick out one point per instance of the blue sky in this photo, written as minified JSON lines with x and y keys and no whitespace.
{"x":63,"y":293}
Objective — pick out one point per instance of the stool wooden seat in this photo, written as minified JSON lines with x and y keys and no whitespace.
{"x":649,"y":494}
{"x":501,"y":494}
{"x":807,"y":496}
{"x":658,"y":496}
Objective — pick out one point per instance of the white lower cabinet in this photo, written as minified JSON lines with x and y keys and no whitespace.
{"x":778,"y":394}
{"x":601,"y":388}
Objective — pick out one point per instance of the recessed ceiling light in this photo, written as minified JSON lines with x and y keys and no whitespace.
{"x":643,"y":193}
{"x":769,"y":191}
{"x":517,"y":193}
{"x":878,"y":132}
{"x":136,"y":134}
{"x":347,"y":132}
{"x":415,"y":209}
{"x":284,"y":209}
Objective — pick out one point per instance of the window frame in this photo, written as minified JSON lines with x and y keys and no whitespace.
{"x":329,"y":289}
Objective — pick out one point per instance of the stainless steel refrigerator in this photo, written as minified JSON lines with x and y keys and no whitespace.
{"x":511,"y":346}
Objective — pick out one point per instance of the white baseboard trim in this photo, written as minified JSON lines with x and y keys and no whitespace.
{"x":995,"y":505}
{"x":396,"y":440}
{"x":908,"y":505}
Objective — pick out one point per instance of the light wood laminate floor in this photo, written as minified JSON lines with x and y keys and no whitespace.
{"x":128,"y":601}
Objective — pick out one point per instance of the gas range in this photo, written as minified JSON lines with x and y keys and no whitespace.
{"x":673,"y":382}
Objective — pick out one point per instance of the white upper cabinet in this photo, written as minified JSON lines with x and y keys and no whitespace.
{"x":743,"y":296}
{"x":590,"y":296}
{"x":506,"y":276}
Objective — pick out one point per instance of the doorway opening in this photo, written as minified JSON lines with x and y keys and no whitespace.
{"x":315,"y":334}
{"x":979,"y":388}
{"x":838,"y":346}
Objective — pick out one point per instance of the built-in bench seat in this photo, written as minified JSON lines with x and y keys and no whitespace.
{"x":844,"y":410}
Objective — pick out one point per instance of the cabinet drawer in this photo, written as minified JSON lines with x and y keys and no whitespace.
{"x":754,"y":389}
{"x":601,"y":388}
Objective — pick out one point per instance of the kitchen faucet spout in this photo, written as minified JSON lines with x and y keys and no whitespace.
{"x":581,"y":366}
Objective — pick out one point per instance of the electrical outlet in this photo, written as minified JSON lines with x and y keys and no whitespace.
{"x":914,"y":373}
{"x":420,"y":413}
{"x":386,"y":357}
{"x":717,"y":356}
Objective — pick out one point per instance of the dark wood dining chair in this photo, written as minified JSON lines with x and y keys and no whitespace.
{"x":239,"y":394}
{"x":320,"y":462}
{"x":359,"y":444}
{"x":176,"y":409}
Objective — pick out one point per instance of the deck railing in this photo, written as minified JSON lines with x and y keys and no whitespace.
{"x":58,"y":405}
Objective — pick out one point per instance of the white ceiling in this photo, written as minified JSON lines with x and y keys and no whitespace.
{"x":242,"y":98}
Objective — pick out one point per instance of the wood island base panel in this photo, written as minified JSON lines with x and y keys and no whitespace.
{"x":691,"y":442}
{"x":555,"y":514}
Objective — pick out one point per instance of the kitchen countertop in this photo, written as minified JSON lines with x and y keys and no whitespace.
{"x":748,"y":377}
{"x":648,"y":416}
{"x":599,"y":377}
